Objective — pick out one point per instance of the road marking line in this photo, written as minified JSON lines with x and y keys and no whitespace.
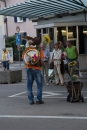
{"x":43,"y":117}
{"x":17,"y":94}
{"x":59,"y":97}
{"x":47,"y":97}
{"x":50,"y":94}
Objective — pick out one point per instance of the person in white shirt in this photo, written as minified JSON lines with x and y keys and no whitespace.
{"x":45,"y":67}
{"x":56,"y":58}
{"x":5,"y":59}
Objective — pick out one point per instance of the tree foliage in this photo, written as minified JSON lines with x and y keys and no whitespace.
{"x":11,"y":42}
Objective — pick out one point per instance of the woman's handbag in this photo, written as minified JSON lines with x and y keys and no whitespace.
{"x":62,"y":56}
{"x":51,"y":65}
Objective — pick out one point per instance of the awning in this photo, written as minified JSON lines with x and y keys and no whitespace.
{"x":38,"y":9}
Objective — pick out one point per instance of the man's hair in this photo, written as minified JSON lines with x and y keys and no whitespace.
{"x":68,"y":41}
{"x":42,"y":44}
{"x":59,"y":42}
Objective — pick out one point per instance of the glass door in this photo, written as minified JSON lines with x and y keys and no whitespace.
{"x":72,"y":33}
{"x":62,"y":34}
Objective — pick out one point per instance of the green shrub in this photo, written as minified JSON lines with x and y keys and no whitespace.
{"x":11,"y":42}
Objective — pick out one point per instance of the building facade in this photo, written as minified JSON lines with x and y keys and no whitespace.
{"x":2,"y":36}
{"x":72,"y":28}
{"x":61,"y":20}
{"x":26,"y":26}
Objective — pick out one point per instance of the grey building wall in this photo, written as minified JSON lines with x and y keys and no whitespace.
{"x":77,"y":17}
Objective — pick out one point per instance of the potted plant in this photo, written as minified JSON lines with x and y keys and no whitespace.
{"x":74,"y":86}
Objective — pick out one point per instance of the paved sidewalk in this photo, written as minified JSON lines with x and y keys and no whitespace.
{"x":21,"y":65}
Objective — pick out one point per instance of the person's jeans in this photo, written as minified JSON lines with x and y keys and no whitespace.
{"x":58,"y":74}
{"x":6,"y":65}
{"x":44,"y":70}
{"x":33,"y":74}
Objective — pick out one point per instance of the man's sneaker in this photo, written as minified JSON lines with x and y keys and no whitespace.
{"x":31,"y":103}
{"x":40,"y":102}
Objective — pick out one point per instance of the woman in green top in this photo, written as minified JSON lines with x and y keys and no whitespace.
{"x":72,"y":54}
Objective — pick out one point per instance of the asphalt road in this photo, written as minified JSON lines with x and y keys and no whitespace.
{"x":17,"y":114}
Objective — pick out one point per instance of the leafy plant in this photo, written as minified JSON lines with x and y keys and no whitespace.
{"x":46,"y":39}
{"x":11,"y":42}
{"x":74,"y":77}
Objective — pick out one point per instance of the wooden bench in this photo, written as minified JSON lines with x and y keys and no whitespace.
{"x":10,"y":76}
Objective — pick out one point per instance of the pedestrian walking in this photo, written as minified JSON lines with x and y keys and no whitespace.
{"x":56,"y":58}
{"x":72,"y":55}
{"x":45,"y":67}
{"x":32,"y":55}
{"x":5,"y":59}
{"x":62,"y":67}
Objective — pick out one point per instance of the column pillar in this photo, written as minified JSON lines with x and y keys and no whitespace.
{"x":55,"y":34}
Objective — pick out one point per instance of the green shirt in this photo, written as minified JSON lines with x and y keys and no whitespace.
{"x":71,"y":54}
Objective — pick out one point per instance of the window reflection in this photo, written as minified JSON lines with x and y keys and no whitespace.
{"x":82,"y":31}
{"x":72,"y":32}
{"x":44,"y":30}
{"x":61,"y":34}
{"x":39,"y":33}
{"x":51,"y":35}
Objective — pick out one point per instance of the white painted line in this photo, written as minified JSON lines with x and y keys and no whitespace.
{"x":19,"y":83}
{"x":43,"y":117}
{"x":61,"y":91}
{"x":50,"y":94}
{"x":45,"y":96}
{"x":17,"y":94}
{"x":57,"y":97}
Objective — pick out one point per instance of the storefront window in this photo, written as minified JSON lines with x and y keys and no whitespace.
{"x":82,"y":31}
{"x":61,"y":34}
{"x":72,"y":32}
{"x":51,"y":35}
{"x":39,"y":33}
{"x":45,"y":30}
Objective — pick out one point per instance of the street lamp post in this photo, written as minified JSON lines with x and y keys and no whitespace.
{"x":18,"y":42}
